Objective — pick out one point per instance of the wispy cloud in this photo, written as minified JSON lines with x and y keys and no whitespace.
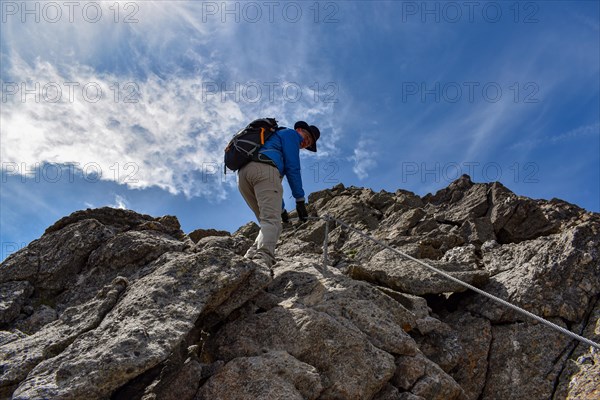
{"x":120,"y":203}
{"x":533,"y":84}
{"x":584,"y":131}
{"x":156,"y":104}
{"x":364,"y":158}
{"x":166,"y":133}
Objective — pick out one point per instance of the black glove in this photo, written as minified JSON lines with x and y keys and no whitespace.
{"x":285,"y":218}
{"x":301,"y":210}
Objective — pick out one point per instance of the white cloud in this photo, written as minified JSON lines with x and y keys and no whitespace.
{"x":170,"y":64}
{"x":363,"y":158}
{"x":162,"y":140}
{"x":120,"y":203}
{"x":581,"y":131}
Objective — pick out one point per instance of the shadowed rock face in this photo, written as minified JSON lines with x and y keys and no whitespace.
{"x":114,"y":304}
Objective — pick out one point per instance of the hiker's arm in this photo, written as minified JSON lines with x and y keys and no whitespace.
{"x":291,"y":160}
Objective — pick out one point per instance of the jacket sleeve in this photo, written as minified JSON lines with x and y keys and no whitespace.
{"x":291,"y":162}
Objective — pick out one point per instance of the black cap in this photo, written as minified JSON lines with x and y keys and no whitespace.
{"x":314,"y":132}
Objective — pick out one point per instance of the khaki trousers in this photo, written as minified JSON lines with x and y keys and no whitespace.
{"x":261,"y":188}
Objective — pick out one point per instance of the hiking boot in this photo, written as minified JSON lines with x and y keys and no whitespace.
{"x":251,"y":253}
{"x":265,"y":257}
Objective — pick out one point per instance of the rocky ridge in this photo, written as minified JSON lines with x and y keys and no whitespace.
{"x":112,"y":304}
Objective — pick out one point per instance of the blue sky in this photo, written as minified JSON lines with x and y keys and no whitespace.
{"x":129,"y":104}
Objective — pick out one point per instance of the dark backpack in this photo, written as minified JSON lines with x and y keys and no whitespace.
{"x":245,"y":144}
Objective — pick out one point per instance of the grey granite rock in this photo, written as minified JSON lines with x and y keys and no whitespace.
{"x":388,"y":269}
{"x":114,"y":304}
{"x":274,"y":375}
{"x":12,"y":298}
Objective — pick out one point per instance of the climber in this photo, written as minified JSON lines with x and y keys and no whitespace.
{"x":260,"y":185}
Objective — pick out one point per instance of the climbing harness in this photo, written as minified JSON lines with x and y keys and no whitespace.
{"x":328,"y":218}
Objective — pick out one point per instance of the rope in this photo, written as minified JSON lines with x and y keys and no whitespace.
{"x":326,"y":242}
{"x":327,"y":218}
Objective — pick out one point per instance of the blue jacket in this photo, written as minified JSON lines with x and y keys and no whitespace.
{"x":283,"y":147}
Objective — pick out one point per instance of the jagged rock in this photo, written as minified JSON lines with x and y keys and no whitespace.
{"x":237,"y":243}
{"x":121,"y":221}
{"x":324,"y":196}
{"x":132,"y":249}
{"x":580,"y":378}
{"x":516,"y":219}
{"x":408,"y":199}
{"x":409,"y":277}
{"x":436,"y":385}
{"x":250,"y":230}
{"x":477,"y":231}
{"x":81,"y":253}
{"x":182,"y":385}
{"x":315,"y":235}
{"x":451,"y":194}
{"x":177,"y":380}
{"x":294,"y":249}
{"x":585,"y":383}
{"x":133,"y":246}
{"x":349,"y":365}
{"x":462,"y":254}
{"x":389,"y":392}
{"x":491,"y":210}
{"x":350,"y":208}
{"x":400,"y":224}
{"x":417,"y":305}
{"x":273,"y":375}
{"x":464,"y":201}
{"x":551,"y":276}
{"x":424,"y":379}
{"x":39,"y":318}
{"x":202,"y":233}
{"x":12,"y":298}
{"x":525,"y":361}
{"x":425,"y":226}
{"x":19,"y":357}
{"x":438,"y":342}
{"x":114,"y":304}
{"x":154,"y":316}
{"x":474,"y":339}
{"x":7,"y":337}
{"x":564,"y":215}
{"x":360,"y":307}
{"x":52,"y":262}
{"x":381,"y":201}
{"x":361,"y":317}
{"x":408,"y":370}
{"x":437,"y":243}
{"x":125,"y":254}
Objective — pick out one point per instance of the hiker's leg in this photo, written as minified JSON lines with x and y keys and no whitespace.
{"x":254,"y":178}
{"x":247,"y":177}
{"x":269,"y":193}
